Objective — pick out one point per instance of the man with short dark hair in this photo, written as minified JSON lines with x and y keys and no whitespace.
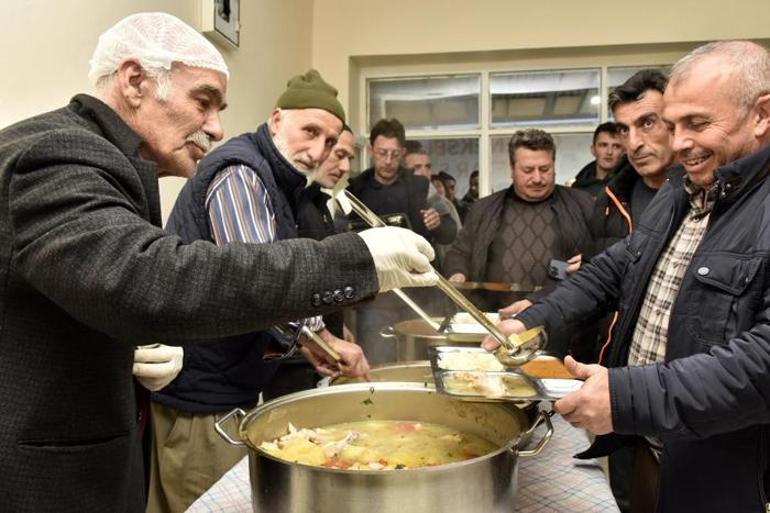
{"x":390,"y":188}
{"x":450,"y":185}
{"x":417,"y":159}
{"x":607,"y":151}
{"x":637,"y":106}
{"x":688,"y":381}
{"x":513,"y":235}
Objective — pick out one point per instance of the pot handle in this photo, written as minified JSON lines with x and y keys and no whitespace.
{"x":218,"y":426}
{"x":543,"y":416}
{"x":388,"y":332}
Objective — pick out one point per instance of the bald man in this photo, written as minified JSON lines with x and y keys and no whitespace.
{"x":689,"y":376}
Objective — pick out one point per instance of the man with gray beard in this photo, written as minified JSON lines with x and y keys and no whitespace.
{"x":247,"y":190}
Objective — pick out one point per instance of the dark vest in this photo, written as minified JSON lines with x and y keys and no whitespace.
{"x":227,"y":373}
{"x":316,"y":222}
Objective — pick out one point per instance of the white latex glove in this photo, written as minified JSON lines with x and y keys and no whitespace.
{"x":401,"y":257}
{"x":156,"y":365}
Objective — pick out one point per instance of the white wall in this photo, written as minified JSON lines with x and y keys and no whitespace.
{"x":449,"y":30}
{"x":46,"y":45}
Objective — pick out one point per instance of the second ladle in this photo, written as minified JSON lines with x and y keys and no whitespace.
{"x":511,"y":352}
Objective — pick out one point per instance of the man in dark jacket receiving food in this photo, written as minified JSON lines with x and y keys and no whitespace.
{"x":689,"y":376}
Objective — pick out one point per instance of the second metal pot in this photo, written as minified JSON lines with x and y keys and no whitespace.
{"x":415,"y":336}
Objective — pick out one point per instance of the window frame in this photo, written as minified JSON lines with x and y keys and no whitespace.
{"x":549,"y":61}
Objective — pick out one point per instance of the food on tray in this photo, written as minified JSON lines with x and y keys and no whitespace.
{"x":546,"y":367}
{"x":464,"y":324}
{"x":469,"y":361}
{"x":466,"y":318}
{"x":377,"y":445}
{"x":487,"y":385}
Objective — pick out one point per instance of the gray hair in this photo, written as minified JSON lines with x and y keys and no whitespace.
{"x":161,"y":77}
{"x":748,"y":62}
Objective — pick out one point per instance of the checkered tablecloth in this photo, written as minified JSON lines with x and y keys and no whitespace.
{"x":550,"y":482}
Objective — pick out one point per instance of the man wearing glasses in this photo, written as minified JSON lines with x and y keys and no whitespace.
{"x":390,"y":188}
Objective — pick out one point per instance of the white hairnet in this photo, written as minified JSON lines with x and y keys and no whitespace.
{"x":156,"y":40}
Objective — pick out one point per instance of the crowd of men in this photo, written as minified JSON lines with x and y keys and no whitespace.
{"x":658,"y":269}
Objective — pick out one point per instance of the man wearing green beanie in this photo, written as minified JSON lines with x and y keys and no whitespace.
{"x":247,"y":190}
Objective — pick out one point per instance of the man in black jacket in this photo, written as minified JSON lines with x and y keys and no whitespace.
{"x":607,"y":151}
{"x":390,"y":188}
{"x":690,"y":359}
{"x":637,"y":106}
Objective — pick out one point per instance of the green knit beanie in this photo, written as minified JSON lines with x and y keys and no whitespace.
{"x":311,"y":91}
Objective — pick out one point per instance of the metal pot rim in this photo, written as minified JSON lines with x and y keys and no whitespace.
{"x":511,"y":446}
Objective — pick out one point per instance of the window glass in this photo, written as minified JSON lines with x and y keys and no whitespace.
{"x":458,"y":157}
{"x":545,"y":98}
{"x":427,"y":103}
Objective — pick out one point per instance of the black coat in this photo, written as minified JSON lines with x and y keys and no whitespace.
{"x":611,"y":220}
{"x":415,"y":201}
{"x":314,"y":221}
{"x":86,"y":274}
{"x":587,"y":181}
{"x":469,"y":254}
{"x":710,"y":401}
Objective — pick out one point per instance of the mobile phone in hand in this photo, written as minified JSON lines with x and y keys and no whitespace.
{"x":557,"y":269}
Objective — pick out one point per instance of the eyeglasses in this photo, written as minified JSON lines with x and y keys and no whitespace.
{"x":384,"y":154}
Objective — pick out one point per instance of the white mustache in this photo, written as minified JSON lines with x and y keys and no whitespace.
{"x":200,"y":139}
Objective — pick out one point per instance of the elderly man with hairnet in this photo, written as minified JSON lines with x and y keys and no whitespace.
{"x":87,"y":273}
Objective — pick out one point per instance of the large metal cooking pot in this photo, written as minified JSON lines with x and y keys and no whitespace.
{"x":415,"y":336}
{"x":484,"y":484}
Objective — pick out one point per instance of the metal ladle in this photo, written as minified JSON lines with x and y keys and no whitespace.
{"x":513,"y":350}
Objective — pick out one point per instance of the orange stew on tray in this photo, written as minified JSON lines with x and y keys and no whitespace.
{"x":548,"y":367}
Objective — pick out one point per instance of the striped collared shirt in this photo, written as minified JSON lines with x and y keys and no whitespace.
{"x":240,"y":210}
{"x":648,"y":344}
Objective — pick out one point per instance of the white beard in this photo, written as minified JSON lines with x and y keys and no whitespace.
{"x":279,"y":140}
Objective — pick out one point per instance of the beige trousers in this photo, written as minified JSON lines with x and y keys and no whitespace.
{"x":188,"y":456}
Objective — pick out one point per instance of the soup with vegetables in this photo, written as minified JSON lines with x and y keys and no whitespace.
{"x":377,"y":445}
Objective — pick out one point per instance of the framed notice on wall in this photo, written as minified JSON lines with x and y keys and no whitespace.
{"x":227,"y":15}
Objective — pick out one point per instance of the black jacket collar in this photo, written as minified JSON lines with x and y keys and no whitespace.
{"x":108,"y":123}
{"x":735,"y":178}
